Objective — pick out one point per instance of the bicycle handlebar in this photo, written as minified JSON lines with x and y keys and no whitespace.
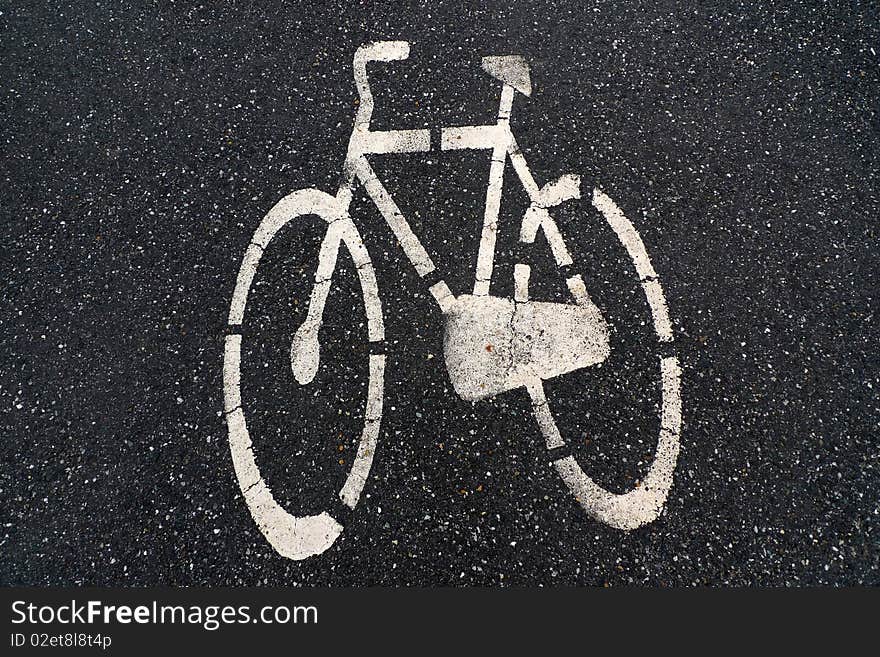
{"x":378,"y":51}
{"x":382,"y":51}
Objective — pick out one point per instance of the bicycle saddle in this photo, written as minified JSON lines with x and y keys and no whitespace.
{"x":512,"y":70}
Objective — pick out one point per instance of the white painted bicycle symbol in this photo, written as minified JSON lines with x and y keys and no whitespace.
{"x":532,"y":341}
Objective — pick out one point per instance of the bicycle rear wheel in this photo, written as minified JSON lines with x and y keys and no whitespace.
{"x":292,"y":536}
{"x":644,"y":503}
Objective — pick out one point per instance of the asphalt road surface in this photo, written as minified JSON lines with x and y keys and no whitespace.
{"x":143,"y":145}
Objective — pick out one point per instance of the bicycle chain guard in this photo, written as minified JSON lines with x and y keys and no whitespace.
{"x":494,"y":344}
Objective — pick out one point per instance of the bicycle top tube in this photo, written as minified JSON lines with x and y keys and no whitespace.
{"x":496,"y":137}
{"x":367,"y":142}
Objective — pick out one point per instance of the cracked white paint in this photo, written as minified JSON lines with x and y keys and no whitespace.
{"x":491,"y":344}
{"x":295,"y":537}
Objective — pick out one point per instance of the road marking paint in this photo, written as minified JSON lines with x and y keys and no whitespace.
{"x":486,"y":252}
{"x":491,"y":344}
{"x":657,"y":303}
{"x":443,"y":296}
{"x":294,"y":537}
{"x":472,"y":137}
{"x":521,"y":274}
{"x":512,"y":70}
{"x":298,"y":537}
{"x":246,"y":272}
{"x":578,"y":290}
{"x":231,"y":369}
{"x":494,"y":344}
{"x":635,"y":247}
{"x":538,"y":217}
{"x":411,"y":245}
{"x":394,"y":141}
{"x":644,"y":503}
{"x":518,"y":160}
{"x":670,"y":415}
{"x":378,"y":51}
{"x":360,"y":469}
{"x":564,"y":188}
{"x":552,"y":437}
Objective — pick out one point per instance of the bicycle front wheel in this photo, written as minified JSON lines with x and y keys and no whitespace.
{"x":292,"y":536}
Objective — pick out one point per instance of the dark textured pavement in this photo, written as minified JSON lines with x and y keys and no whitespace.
{"x":142,"y":144}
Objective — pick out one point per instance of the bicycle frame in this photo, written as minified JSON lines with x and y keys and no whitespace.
{"x":496,"y":137}
{"x":580,"y":334}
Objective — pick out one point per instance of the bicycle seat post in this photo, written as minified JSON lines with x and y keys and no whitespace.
{"x":513,"y":72}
